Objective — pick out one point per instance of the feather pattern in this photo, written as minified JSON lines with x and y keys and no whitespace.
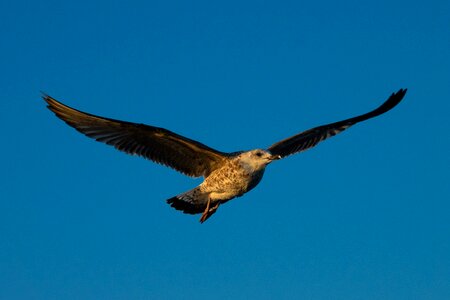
{"x":310,"y":138}
{"x":157,"y":144}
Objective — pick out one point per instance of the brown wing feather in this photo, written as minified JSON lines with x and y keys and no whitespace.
{"x":312,"y":137}
{"x":157,"y":144}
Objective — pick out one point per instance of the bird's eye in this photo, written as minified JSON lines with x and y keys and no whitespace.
{"x":259,"y":154}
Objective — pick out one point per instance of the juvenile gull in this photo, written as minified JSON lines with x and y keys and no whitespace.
{"x":227,"y":175}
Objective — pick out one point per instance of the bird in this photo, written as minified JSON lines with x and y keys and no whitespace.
{"x":227,"y":175}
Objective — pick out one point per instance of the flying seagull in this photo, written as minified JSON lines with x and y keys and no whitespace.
{"x":226,"y":175}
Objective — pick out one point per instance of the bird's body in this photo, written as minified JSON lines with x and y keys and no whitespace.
{"x":238,"y":175}
{"x":227,"y":175}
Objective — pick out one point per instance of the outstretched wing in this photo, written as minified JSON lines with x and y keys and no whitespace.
{"x":157,"y":144}
{"x":312,"y":137}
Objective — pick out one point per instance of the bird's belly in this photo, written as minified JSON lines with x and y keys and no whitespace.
{"x":227,"y":184}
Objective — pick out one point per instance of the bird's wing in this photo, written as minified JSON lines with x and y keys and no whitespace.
{"x":157,"y":144}
{"x":312,"y":137}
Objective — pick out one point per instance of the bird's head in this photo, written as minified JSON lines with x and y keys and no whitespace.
{"x":258,"y":158}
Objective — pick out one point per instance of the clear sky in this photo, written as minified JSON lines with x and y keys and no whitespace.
{"x":364,"y":215}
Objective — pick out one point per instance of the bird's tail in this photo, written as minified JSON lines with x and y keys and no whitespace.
{"x":191,"y":202}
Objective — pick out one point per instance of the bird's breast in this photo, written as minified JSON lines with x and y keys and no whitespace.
{"x":233,"y":178}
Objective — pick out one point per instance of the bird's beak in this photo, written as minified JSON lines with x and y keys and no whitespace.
{"x":275,"y":157}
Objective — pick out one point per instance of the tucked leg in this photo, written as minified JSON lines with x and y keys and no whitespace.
{"x":209,"y":211}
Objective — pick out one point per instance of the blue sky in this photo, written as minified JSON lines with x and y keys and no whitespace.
{"x":364,"y":215}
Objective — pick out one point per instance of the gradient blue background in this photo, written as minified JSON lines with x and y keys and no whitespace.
{"x":364,"y":215}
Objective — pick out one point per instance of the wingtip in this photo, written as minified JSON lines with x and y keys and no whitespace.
{"x":58,"y":108}
{"x":44,"y":95}
{"x":392,"y":101}
{"x":401,"y":92}
{"x":53,"y":104}
{"x":47,"y":98}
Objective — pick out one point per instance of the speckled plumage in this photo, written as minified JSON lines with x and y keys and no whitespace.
{"x":227,"y":175}
{"x":237,"y":175}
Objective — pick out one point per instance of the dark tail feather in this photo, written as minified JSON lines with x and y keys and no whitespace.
{"x":185,"y":206}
